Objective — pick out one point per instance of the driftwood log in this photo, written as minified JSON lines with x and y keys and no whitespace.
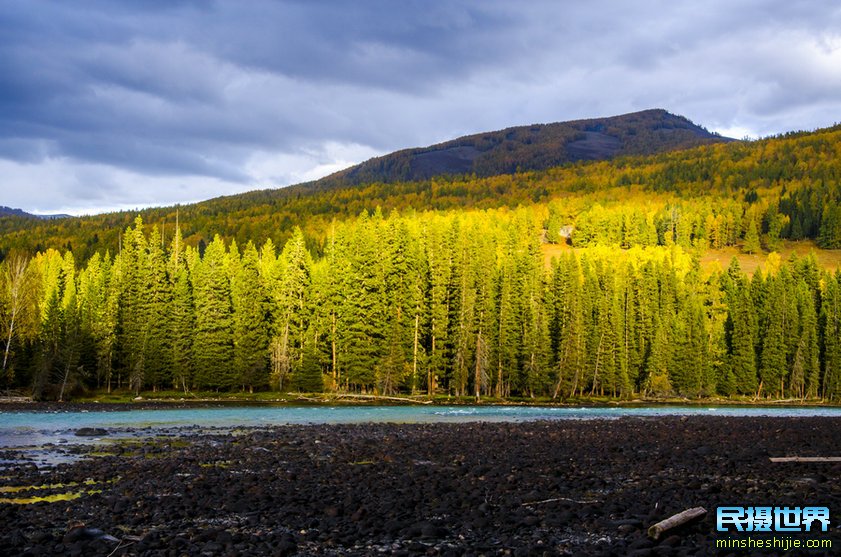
{"x":805,"y":459}
{"x":676,"y":520}
{"x":380,"y":397}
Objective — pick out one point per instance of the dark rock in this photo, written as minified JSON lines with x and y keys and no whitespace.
{"x":626,"y":529}
{"x":212,"y":547}
{"x":671,"y":541}
{"x":91,"y":432}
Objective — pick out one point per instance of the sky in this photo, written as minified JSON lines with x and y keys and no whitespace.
{"x":120,"y":105}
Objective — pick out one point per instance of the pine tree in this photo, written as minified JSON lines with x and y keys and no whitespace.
{"x":400,"y":277}
{"x":657,"y":366}
{"x":558,"y":301}
{"x":805,"y":371}
{"x":751,"y":235}
{"x":534,"y":340}
{"x":133,"y":316}
{"x":365,"y":326}
{"x":829,"y":236}
{"x":308,"y":378}
{"x":776,"y":223}
{"x":291,"y":307}
{"x":182,"y":327}
{"x":157,"y":358}
{"x":772,"y":361}
{"x":689,"y":371}
{"x":741,"y":340}
{"x":182,"y":320}
{"x":98,"y":313}
{"x":58,"y":343}
{"x":831,"y":320}
{"x":213,"y":350}
{"x":71,"y":373}
{"x":250,"y":323}
{"x":506,"y":333}
{"x":438,"y":268}
{"x":461,"y":300}
{"x":49,"y":344}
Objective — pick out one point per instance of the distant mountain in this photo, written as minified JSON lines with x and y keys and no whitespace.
{"x":9,"y":212}
{"x":535,"y":147}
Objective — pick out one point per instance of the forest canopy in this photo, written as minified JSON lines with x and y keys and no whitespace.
{"x":458,"y":303}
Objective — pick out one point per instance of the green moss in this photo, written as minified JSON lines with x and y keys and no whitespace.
{"x":69,"y":496}
{"x":66,"y":496}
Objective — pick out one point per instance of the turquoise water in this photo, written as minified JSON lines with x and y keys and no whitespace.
{"x":36,"y":428}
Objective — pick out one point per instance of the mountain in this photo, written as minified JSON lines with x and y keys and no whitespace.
{"x":650,"y":150}
{"x":9,"y":212}
{"x":534,"y":147}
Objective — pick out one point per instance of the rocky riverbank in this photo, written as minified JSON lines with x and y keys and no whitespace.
{"x":541,"y":488}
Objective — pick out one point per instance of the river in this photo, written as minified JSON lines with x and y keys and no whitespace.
{"x":22,"y":428}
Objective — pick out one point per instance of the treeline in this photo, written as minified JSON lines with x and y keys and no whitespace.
{"x":787,"y":187}
{"x":459,"y":303}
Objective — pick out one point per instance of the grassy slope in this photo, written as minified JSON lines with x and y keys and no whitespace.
{"x":719,"y":259}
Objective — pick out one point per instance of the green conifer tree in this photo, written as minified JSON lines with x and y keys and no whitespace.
{"x":213,"y":351}
{"x":157,"y":358}
{"x":831,"y":320}
{"x":772,"y":361}
{"x":291,"y":307}
{"x":751,"y":235}
{"x":182,"y":317}
{"x":250,"y":322}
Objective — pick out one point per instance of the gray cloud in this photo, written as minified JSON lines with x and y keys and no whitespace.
{"x":114,"y":105}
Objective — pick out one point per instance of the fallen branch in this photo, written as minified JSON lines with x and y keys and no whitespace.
{"x":556,"y":499}
{"x":378,"y":397}
{"x":310,"y":399}
{"x":805,"y":459}
{"x":676,"y":520}
{"x":120,"y":546}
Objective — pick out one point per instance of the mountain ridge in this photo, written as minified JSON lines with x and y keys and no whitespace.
{"x":530,"y":147}
{"x":10,"y":211}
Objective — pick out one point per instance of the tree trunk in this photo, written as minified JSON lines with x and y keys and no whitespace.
{"x":596,"y":370}
{"x":430,"y":376}
{"x":477,"y":376}
{"x":16,"y":270}
{"x":415,"y":355}
{"x":64,"y":382}
{"x":333,"y":347}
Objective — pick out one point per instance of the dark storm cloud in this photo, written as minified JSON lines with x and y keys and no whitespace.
{"x":137,"y":103}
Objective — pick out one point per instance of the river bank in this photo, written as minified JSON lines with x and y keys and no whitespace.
{"x":169,"y":400}
{"x":538,"y":488}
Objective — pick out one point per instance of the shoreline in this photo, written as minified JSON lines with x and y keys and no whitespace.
{"x":19,"y":404}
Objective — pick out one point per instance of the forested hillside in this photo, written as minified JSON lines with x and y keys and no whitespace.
{"x":459,"y":303}
{"x":787,"y":186}
{"x":441,"y":286}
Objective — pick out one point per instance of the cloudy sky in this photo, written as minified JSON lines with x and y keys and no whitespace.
{"x":117,"y":105}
